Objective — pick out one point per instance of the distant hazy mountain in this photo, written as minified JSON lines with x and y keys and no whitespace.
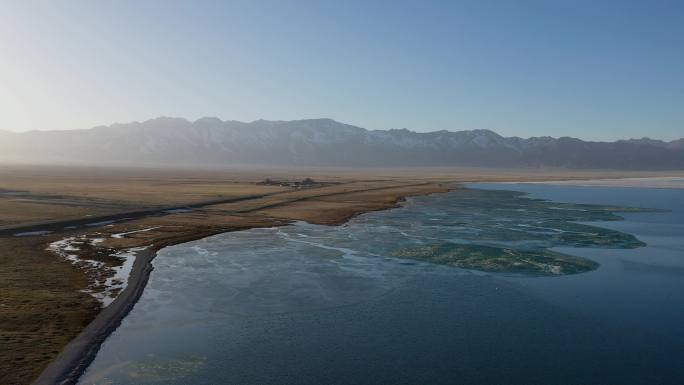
{"x":324,"y":142}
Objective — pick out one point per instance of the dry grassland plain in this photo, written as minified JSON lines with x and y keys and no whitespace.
{"x":46,"y":300}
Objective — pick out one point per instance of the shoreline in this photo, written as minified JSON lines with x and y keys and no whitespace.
{"x":674,"y":183}
{"x":78,"y":354}
{"x":48,"y":301}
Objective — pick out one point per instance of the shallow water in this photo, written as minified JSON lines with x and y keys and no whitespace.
{"x":308,"y":304}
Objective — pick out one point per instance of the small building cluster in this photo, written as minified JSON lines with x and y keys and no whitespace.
{"x":305,"y":183}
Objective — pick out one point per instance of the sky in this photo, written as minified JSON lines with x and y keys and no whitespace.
{"x":598,"y":70}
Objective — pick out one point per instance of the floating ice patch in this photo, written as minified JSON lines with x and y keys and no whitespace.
{"x":266,"y":228}
{"x":345,"y":252}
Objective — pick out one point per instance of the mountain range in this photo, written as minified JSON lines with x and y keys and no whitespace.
{"x":325,"y":142}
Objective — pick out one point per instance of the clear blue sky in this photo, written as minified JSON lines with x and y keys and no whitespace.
{"x":591,"y":69}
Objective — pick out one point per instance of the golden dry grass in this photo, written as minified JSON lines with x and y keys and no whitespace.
{"x":337,"y":208}
{"x":132,"y":187}
{"x":41,"y":307}
{"x":14,"y":211}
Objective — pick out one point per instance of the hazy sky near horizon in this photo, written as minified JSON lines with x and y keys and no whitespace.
{"x":597,"y":70}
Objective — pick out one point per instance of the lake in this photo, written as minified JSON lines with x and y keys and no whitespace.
{"x":308,"y":304}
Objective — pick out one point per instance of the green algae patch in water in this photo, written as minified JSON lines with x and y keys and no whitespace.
{"x":499,"y":259}
{"x":508,"y":232}
{"x":154,"y":369}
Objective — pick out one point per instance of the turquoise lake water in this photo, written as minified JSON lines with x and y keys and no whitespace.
{"x":307,"y":304}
